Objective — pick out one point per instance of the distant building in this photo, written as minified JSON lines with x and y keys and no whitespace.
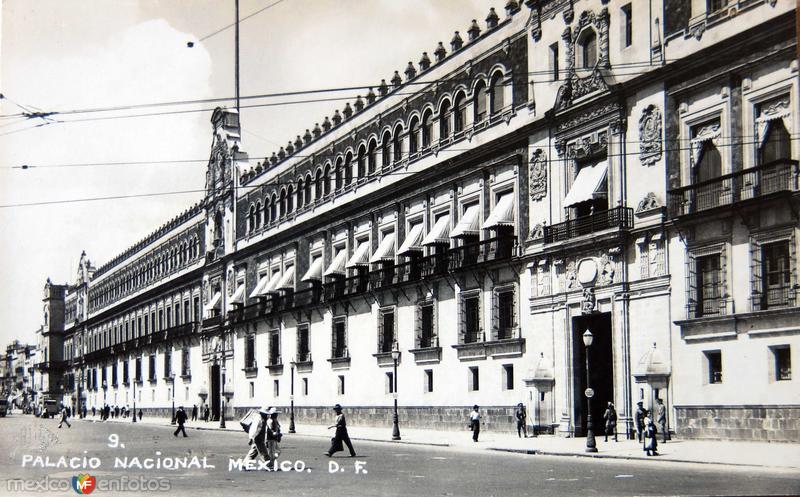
{"x":603,"y":168}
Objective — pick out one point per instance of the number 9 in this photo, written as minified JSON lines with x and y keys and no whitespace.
{"x":113,"y":440}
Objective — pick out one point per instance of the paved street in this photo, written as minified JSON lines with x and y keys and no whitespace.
{"x":391,"y":469}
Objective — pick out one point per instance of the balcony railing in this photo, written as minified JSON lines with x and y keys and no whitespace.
{"x":618,"y":217}
{"x":492,"y":249}
{"x":774,"y":298}
{"x":755,"y":182}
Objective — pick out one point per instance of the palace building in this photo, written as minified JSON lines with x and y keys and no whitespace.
{"x":567,"y":172}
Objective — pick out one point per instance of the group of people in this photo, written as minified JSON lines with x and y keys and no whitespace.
{"x":107,"y":412}
{"x":203,"y":411}
{"x":646,"y":431}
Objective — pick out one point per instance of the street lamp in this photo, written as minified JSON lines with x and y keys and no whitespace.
{"x":172,"y":379}
{"x":291,"y":396}
{"x":591,"y":445}
{"x":222,"y":381}
{"x":135,"y":377}
{"x":395,"y":424}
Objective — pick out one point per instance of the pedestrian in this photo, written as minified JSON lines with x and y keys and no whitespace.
{"x":140,"y":414}
{"x":180,"y":418}
{"x":94,"y":412}
{"x":650,"y":437}
{"x":475,"y":422}
{"x":661,"y":419}
{"x":194,"y":412}
{"x":639,"y":416}
{"x":64,"y":416}
{"x":84,"y":411}
{"x":207,"y":414}
{"x":107,"y":411}
{"x":521,"y":415}
{"x":611,"y":421}
{"x":256,"y":436}
{"x":341,"y":437}
{"x":274,"y":436}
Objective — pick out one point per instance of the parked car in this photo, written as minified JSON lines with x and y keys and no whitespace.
{"x":49,"y":409}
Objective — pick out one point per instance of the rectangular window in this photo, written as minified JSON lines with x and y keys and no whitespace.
{"x":169,"y":317}
{"x":139,"y":369}
{"x":341,"y":385}
{"x":783,"y":362}
{"x":508,"y":377}
{"x":426,"y":326}
{"x":187,"y":315}
{"x":390,"y":382}
{"x":168,"y":363}
{"x":252,"y":390}
{"x":714,"y":362}
{"x":114,"y":374}
{"x":274,"y":348}
{"x":471,"y":319}
{"x":152,"y":365}
{"x":160,"y":319}
{"x":125,"y":374}
{"x":474,"y":379}
{"x":185,"y":363}
{"x":250,"y":351}
{"x":153,"y":321}
{"x":554,"y":61}
{"x":709,"y":287}
{"x":303,"y":353}
{"x":627,"y":25}
{"x":145,"y":325}
{"x":505,"y":315}
{"x":305,"y":386}
{"x":429,"y":380}
{"x":715,"y":5}
{"x":196,"y":303}
{"x":776,"y":280}
{"x":339,"y":339}
{"x":276,"y":388}
{"x":177,"y":314}
{"x":386,"y":331}
{"x":139,"y":326}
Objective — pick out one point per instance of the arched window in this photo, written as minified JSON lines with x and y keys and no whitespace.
{"x":282,"y":203}
{"x":413,"y":135}
{"x":348,"y":168}
{"x":307,"y":192}
{"x":497,"y":95}
{"x":318,"y":193}
{"x":587,"y":49}
{"x":444,"y":119}
{"x":710,"y":164}
{"x":362,"y":162}
{"x":300,"y":193}
{"x":326,"y":179}
{"x":255,"y":216}
{"x":479,"y":101}
{"x":265,"y":212}
{"x":386,"y":149}
{"x":460,"y":112}
{"x":397,"y":143}
{"x":427,"y":128}
{"x":290,"y":200}
{"x":273,"y":208}
{"x":339,"y":174}
{"x":777,"y":143}
{"x":372,"y":153}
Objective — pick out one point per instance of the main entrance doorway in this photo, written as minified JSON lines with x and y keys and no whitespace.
{"x":215,"y":393}
{"x":601,"y":369}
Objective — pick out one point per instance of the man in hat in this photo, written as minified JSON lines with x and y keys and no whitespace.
{"x":661,"y":418}
{"x":341,"y":435}
{"x":180,"y":418}
{"x":475,"y":422}
{"x":256,"y":436}
{"x":273,"y":437}
{"x":639,"y":416}
{"x":521,"y":415}
{"x":610,"y":416}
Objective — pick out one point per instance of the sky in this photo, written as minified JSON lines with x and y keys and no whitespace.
{"x":58,"y":55}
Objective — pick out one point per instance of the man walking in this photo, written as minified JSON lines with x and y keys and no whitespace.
{"x":256,"y":436}
{"x":64,"y":416}
{"x":611,"y":421}
{"x":180,"y":418}
{"x":194,"y":412}
{"x":475,"y":422}
{"x":638,"y":418}
{"x":521,"y":416}
{"x":661,"y":419}
{"x":274,"y":436}
{"x":341,"y":436}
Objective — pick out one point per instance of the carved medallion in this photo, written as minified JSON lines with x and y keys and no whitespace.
{"x":538,"y":174}
{"x":650,"y":135}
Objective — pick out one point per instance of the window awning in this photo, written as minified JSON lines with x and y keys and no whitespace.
{"x":236,"y":298}
{"x":502,"y":214}
{"x":213,"y":302}
{"x":262,"y":282}
{"x":385,"y":249}
{"x":587,"y":185}
{"x":337,"y":265}
{"x":440,"y":233}
{"x":287,"y":280}
{"x":360,"y":256}
{"x":413,"y":241}
{"x":272,"y":284}
{"x":470,"y":223}
{"x":314,"y":272}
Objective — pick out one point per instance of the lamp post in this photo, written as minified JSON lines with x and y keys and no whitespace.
{"x":395,"y":420}
{"x":291,"y":396}
{"x":222,"y":381}
{"x":135,"y":377}
{"x":591,"y":445}
{"x":172,"y":379}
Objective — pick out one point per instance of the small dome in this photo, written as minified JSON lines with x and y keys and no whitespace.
{"x":653,"y":363}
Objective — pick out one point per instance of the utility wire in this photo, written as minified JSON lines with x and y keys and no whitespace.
{"x":220,"y":30}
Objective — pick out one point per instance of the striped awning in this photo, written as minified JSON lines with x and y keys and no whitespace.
{"x":236,"y":298}
{"x":385,"y":249}
{"x":287,"y":280}
{"x":360,"y":256}
{"x":470,"y":223}
{"x":502,"y":214}
{"x":440,"y":233}
{"x":262,"y":282}
{"x":337,"y":265}
{"x":413,"y":241}
{"x":314,"y":272}
{"x":272,"y":283}
{"x":213,"y":302}
{"x":587,"y":185}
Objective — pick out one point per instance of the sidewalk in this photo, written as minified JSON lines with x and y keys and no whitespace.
{"x":756,"y":454}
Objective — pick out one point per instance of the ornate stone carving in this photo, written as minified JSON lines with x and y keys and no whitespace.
{"x":229,"y":283}
{"x":589,"y":301}
{"x":589,"y":115}
{"x":542,"y":278}
{"x":650,"y":135}
{"x":537,"y":232}
{"x":571,"y":276}
{"x":538,"y":174}
{"x":606,"y":270}
{"x":648,"y":203}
